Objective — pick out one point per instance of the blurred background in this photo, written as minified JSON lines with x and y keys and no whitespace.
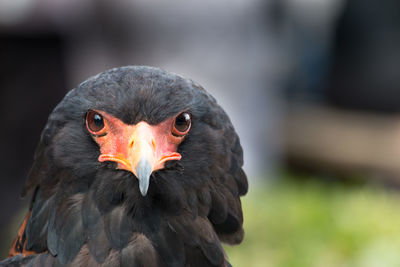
{"x":311,"y":86}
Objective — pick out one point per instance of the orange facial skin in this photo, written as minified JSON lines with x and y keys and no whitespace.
{"x":129,"y":144}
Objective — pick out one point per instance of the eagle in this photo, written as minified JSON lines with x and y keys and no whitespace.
{"x":136,"y":166}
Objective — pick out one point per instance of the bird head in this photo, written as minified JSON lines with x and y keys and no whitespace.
{"x":140,"y":123}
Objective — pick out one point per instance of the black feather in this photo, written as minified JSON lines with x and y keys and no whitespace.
{"x":52,"y":238}
{"x":118,"y":227}
{"x":69,"y":229}
{"x":98,"y":243}
{"x":219,"y":208}
{"x":84,"y":259}
{"x":110,"y":187}
{"x":196,"y":256}
{"x":139,"y":252}
{"x":17,"y":261}
{"x":168,"y":245}
{"x":186,"y":229}
{"x":40,"y":260}
{"x":113,"y":259}
{"x":36,"y":229}
{"x":209,"y":242}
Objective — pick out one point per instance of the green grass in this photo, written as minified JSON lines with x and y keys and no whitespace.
{"x":312,"y":224}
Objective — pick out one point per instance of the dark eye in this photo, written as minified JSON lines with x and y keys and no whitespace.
{"x":94,"y":122}
{"x":182,"y":124}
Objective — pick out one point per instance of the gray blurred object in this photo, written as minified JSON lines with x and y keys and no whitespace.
{"x":347,"y":122}
{"x":309,"y":28}
{"x":365,"y":74}
{"x":345,"y":54}
{"x":336,"y":141}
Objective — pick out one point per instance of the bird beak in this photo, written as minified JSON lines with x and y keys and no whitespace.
{"x":143,"y":171}
{"x":142,"y":154}
{"x":141,"y":149}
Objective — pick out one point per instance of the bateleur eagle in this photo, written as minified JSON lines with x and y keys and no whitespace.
{"x":135,"y":167}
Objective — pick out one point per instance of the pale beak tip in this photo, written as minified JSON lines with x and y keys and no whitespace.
{"x":144,"y":170}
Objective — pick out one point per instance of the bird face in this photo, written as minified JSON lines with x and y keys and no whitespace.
{"x":141,"y":131}
{"x":140,"y":148}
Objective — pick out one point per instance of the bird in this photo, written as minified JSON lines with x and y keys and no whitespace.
{"x":136,"y":166}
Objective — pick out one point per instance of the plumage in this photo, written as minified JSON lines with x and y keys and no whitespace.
{"x":89,"y":209}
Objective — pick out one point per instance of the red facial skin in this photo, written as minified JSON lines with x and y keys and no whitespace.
{"x":127,"y":144}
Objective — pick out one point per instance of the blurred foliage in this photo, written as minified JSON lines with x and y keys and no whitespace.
{"x":311,"y":223}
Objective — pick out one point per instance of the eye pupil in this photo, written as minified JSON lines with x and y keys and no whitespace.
{"x":94,"y":121}
{"x":182,"y":123}
{"x":98,"y":120}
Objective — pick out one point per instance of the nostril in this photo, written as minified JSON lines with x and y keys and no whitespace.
{"x":131,"y":143}
{"x":153,"y":143}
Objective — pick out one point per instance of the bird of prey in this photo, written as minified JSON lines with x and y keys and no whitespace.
{"x":135,"y":167}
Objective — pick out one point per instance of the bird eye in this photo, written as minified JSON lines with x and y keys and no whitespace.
{"x":182,"y":124}
{"x":94,"y":122}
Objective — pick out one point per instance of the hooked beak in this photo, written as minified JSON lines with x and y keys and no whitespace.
{"x":143,"y":172}
{"x":143,"y":153}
